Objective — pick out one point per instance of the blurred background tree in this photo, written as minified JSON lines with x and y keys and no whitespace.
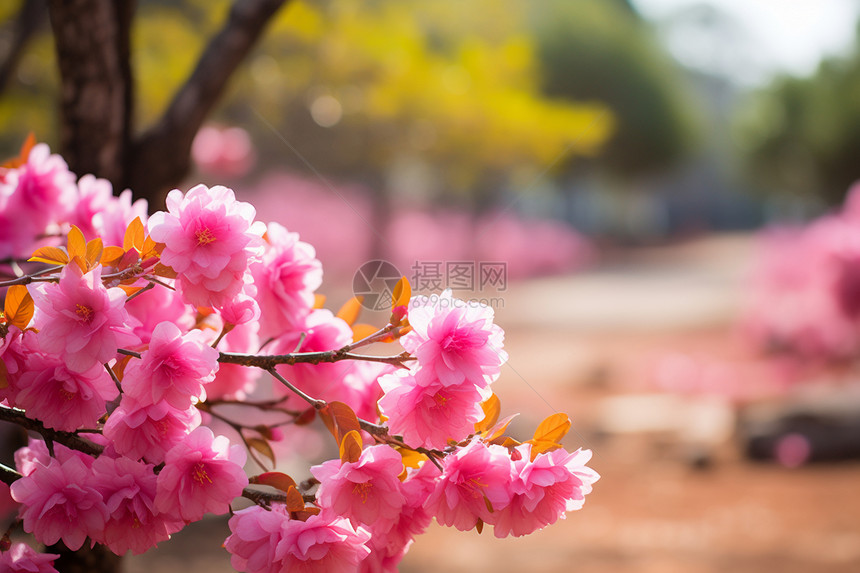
{"x":604,"y":51}
{"x":801,"y":135}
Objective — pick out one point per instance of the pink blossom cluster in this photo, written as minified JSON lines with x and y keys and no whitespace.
{"x":459,"y":354}
{"x":811,"y":310}
{"x":41,"y":196}
{"x":125,"y":356}
{"x":123,"y":502}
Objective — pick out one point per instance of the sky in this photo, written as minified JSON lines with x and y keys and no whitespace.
{"x":761,"y":37}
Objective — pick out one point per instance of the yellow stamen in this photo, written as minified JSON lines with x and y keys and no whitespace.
{"x":199,"y":474}
{"x":361,"y":490}
{"x":204,"y":237}
{"x":84,"y":312}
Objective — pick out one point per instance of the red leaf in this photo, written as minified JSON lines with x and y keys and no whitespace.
{"x":295,"y":501}
{"x":276,"y":480}
{"x":339,"y":419}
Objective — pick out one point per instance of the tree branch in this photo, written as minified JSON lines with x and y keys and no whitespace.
{"x":8,"y":475}
{"x":161,"y":155}
{"x":68,"y":439}
{"x":270,"y":361}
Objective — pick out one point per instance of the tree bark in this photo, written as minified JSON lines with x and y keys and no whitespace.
{"x":92,"y":44}
{"x":161,"y":157}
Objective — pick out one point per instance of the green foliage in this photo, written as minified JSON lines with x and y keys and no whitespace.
{"x":363,"y":84}
{"x":595,"y":50}
{"x":801,"y":135}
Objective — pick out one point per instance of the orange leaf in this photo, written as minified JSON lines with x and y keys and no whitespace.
{"x":130,"y":290}
{"x":50,"y":255}
{"x":402,"y":293}
{"x":23,"y":155}
{"x":295,"y":501}
{"x":319,"y":301}
{"x":339,"y":419}
{"x":492,"y":406}
{"x":542,"y":446}
{"x":479,"y":526}
{"x":499,"y":429}
{"x":553,"y":428}
{"x":276,"y":480}
{"x":350,"y":310}
{"x":111,"y":256}
{"x":261,"y":446}
{"x":95,"y":248}
{"x":350,"y":447}
{"x":411,"y":458}
{"x":361,"y":331}
{"x":76,"y":244}
{"x":18,"y":307}
{"x":506,"y":442}
{"x":149,"y":248}
{"x":134,"y":236}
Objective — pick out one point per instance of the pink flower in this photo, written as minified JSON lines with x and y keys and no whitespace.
{"x":111,"y":222}
{"x":59,"y":501}
{"x":22,"y":559}
{"x":148,"y":430}
{"x":360,"y":388}
{"x":210,"y":239}
{"x":242,"y":308}
{"x":201,"y":474}
{"x":390,"y":542}
{"x":543,"y":490}
{"x":32,"y":197}
{"x":322,"y":331}
{"x":158,"y":305}
{"x":429,"y":415}
{"x":13,"y":355}
{"x":128,"y":489}
{"x":286,"y":279}
{"x":80,"y":320}
{"x":232,"y":381}
{"x":254,"y":537}
{"x":61,"y":398}
{"x":174,"y":368}
{"x":454,"y":340}
{"x":366,"y":491}
{"x":35,"y":455}
{"x":474,"y":477}
{"x":325,"y":543}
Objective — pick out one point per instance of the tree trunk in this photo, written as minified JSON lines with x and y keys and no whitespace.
{"x":92,"y":44}
{"x":161,"y":155}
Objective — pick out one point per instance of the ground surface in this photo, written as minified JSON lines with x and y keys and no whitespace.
{"x":576,"y":345}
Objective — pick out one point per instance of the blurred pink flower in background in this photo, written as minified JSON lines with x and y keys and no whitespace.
{"x":223,"y":152}
{"x":342,"y":226}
